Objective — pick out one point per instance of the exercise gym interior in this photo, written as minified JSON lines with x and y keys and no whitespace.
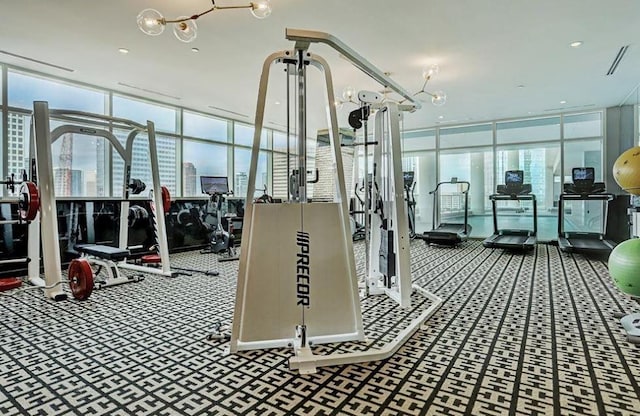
{"x":284,"y":207}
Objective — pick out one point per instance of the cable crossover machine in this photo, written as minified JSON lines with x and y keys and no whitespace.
{"x":297,"y":283}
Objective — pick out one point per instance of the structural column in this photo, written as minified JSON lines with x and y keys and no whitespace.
{"x":476,"y":192}
{"x":426,"y":181}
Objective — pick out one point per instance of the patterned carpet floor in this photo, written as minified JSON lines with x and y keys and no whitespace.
{"x":517,"y":334}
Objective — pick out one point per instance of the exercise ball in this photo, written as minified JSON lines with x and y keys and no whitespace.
{"x":624,"y":266}
{"x":626,"y":171}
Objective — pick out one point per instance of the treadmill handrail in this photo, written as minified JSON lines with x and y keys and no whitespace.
{"x":452,"y":183}
{"x":606,"y":197}
{"x":523,"y":197}
{"x":512,"y":197}
{"x":436,"y":205}
{"x":586,"y":197}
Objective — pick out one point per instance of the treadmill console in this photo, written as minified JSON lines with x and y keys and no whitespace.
{"x":584,"y":182}
{"x":514,"y":184}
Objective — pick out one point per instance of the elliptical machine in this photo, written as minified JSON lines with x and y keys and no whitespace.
{"x":357,"y":209}
{"x":410,"y":197}
{"x":222,"y":241}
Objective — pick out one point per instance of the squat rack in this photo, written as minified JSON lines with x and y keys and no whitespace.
{"x":96,"y":125}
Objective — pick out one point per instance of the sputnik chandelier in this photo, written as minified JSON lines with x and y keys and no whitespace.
{"x":151,"y":21}
{"x":348,"y":95}
{"x":438,"y":98}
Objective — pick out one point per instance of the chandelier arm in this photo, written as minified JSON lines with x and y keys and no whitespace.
{"x":194,"y":17}
{"x":426,"y":81}
{"x":248,"y":6}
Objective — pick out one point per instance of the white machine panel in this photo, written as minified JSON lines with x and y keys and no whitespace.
{"x":274,"y":288}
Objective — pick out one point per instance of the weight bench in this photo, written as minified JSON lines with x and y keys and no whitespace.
{"x":107,"y":256}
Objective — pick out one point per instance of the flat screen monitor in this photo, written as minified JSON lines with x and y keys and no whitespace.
{"x":214,"y":184}
{"x":583,"y":175}
{"x":514,"y":177}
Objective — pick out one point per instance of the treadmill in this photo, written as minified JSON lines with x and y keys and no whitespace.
{"x":514,"y":189}
{"x":449,"y":234}
{"x":584,"y":188}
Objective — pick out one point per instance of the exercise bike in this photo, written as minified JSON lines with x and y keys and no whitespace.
{"x":222,"y":241}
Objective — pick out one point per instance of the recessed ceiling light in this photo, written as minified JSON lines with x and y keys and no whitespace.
{"x":196,"y":50}
{"x":277,"y":103}
{"x":576,"y":44}
{"x":440,"y":117}
{"x":520,"y":86}
{"x":563,"y":102}
{"x":123,"y":50}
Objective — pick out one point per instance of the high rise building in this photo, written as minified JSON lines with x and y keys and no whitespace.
{"x":141,"y":165}
{"x":189,"y":179}
{"x":63,"y":177}
{"x":90,"y":183}
{"x":102,"y":169}
{"x":17,"y":144}
{"x":68,"y":182}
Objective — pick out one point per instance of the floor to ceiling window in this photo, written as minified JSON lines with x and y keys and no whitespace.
{"x":533,"y":146}
{"x":243,"y":136}
{"x":75,"y":169}
{"x":583,"y":148}
{"x":191,"y":144}
{"x":466,"y":155}
{"x":23,"y":89}
{"x":241,"y":164}
{"x":420,"y":157}
{"x":200,"y":158}
{"x":165,"y":121}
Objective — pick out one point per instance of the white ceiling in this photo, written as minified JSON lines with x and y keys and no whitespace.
{"x":485,"y":50}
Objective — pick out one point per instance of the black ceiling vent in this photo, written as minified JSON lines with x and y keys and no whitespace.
{"x":618,"y":58}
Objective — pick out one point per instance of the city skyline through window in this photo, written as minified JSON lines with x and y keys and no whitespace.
{"x":191,"y":144}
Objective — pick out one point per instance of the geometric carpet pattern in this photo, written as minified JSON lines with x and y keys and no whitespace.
{"x":523,"y":334}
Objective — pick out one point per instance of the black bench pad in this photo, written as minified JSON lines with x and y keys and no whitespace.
{"x":103,"y":252}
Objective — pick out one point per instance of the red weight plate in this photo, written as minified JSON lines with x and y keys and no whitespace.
{"x":80,"y":279}
{"x":150,"y":258}
{"x":166,"y":199}
{"x":10,"y":283}
{"x":28,"y":201}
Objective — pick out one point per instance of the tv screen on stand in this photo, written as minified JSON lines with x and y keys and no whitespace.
{"x":213,"y":185}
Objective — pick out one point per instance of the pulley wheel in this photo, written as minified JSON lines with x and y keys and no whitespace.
{"x":28,"y":201}
{"x":80,"y":279}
